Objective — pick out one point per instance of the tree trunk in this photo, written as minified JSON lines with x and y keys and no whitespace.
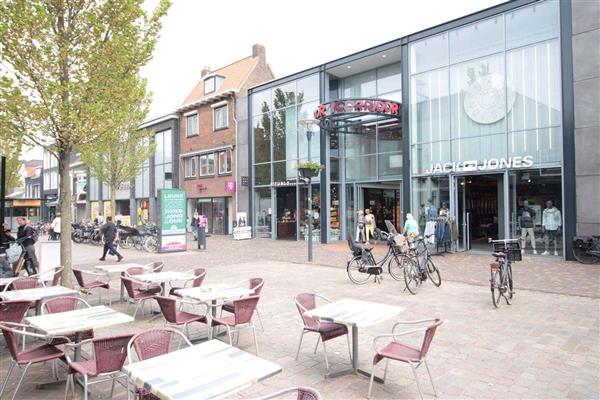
{"x":113,"y":202}
{"x":66,"y":217}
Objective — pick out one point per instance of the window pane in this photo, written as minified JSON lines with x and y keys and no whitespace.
{"x":533,"y":78}
{"x":209,"y":85}
{"x":221,"y":162}
{"x":263,"y":210}
{"x":211,"y":164}
{"x":285,"y":171}
{"x":261,"y":102}
{"x":389,"y":137}
{"x":478,"y":97}
{"x":308,"y":89}
{"x":262,"y":174}
{"x":168,"y":144}
{"x":306,"y":111}
{"x":360,"y":167}
{"x":532,"y":24}
{"x":262,"y":138}
{"x":476,"y":40}
{"x":360,"y":85}
{"x":389,"y":78}
{"x":220,"y":115}
{"x":479,"y":148}
{"x":284,"y":95}
{"x":424,"y":155}
{"x":284,"y":134}
{"x":360,"y":140}
{"x":429,"y":116}
{"x":429,"y":53}
{"x":390,"y":164}
{"x":192,"y":125}
{"x":544,"y":145}
{"x":160,"y":148}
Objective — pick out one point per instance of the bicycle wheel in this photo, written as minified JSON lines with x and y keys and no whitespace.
{"x":396,"y":267}
{"x":433,"y":272}
{"x":510,"y":281}
{"x":353,"y":269}
{"x":495,"y":283}
{"x":412,"y":275}
{"x":151,"y":244}
{"x":583,"y":257}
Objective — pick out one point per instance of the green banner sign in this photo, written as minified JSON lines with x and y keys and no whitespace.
{"x":172,"y":211}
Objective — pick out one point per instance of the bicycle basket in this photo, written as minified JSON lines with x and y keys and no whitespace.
{"x":401,"y":243}
{"x":511,"y":249}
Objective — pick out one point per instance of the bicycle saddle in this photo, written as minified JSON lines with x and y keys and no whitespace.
{"x":366,"y":246}
{"x":499,"y":254}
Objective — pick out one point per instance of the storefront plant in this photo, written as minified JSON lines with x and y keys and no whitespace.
{"x":309,"y":169}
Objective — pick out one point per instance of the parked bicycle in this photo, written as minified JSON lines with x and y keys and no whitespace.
{"x":506,"y":251}
{"x":363,"y":266}
{"x":586,"y":249}
{"x":423,"y":267}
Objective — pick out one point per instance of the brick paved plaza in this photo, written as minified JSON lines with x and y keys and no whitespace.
{"x":545,"y":345}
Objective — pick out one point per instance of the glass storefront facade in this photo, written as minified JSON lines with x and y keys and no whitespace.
{"x":483,"y":102}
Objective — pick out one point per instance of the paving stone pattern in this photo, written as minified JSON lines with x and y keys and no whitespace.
{"x":544,"y":346}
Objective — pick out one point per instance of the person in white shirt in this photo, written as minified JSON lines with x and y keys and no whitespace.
{"x":56,"y":228}
{"x":551,"y":223}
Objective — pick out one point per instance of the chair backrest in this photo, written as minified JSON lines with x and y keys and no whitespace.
{"x":57,"y":275}
{"x":130,"y":286}
{"x":10,"y":336}
{"x":429,"y":336}
{"x":307,"y":393}
{"x":256,"y":284}
{"x":243,"y":309}
{"x":79,"y":277}
{"x":62,"y":304}
{"x":26,"y":282}
{"x":153,"y":342}
{"x":200,"y":274}
{"x":306,"y":302}
{"x":136,"y":271}
{"x":13,"y":311}
{"x":111,"y":352}
{"x":156,"y":266}
{"x":168,"y":306}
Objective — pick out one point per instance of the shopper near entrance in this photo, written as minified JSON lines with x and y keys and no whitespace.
{"x":56,"y":227}
{"x":527,"y":224}
{"x":29,"y":237}
{"x":109,"y":231}
{"x":551,"y":224}
{"x":411,"y":228}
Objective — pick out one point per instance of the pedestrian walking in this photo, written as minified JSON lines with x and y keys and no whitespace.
{"x":194,"y":225}
{"x":110,"y":234}
{"x":56,"y":228}
{"x":29,"y":236}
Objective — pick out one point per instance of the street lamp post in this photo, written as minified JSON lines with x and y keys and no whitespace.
{"x":310,"y":124}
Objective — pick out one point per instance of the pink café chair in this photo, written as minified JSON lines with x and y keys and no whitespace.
{"x":326,"y":330}
{"x":156,"y":266}
{"x":397,"y":351}
{"x":174,"y":317}
{"x":109,"y":356}
{"x":132,"y":271}
{"x":99,"y":282}
{"x":139,"y":292}
{"x":14,"y":311}
{"x":303,"y":393}
{"x":199,"y":276}
{"x":26,"y":282}
{"x":243,"y":310}
{"x":149,"y":344}
{"x":63,"y":304}
{"x":255,"y":284}
{"x":52,"y":277}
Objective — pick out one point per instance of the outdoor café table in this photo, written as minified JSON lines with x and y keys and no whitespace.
{"x":7,"y":281}
{"x":38,"y":294}
{"x":77,"y":321}
{"x":354,"y":313}
{"x":120,"y":268}
{"x":163,"y":277}
{"x":219,"y":292}
{"x":208,"y":370}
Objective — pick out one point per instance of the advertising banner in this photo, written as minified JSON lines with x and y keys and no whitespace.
{"x":172,"y":220}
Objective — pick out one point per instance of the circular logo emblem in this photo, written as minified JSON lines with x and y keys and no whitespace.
{"x":484,"y":99}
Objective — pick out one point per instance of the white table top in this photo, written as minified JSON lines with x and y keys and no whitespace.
{"x":205,"y":371}
{"x":118,"y":267}
{"x":219,"y":291}
{"x":7,"y":281}
{"x":77,"y":320}
{"x":355,"y":312}
{"x":166,"y":276}
{"x":38,"y":293}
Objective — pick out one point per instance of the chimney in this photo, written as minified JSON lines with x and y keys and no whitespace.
{"x":204,"y":71}
{"x":258,"y":50}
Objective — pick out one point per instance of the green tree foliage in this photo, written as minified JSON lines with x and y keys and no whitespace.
{"x":72,"y":75}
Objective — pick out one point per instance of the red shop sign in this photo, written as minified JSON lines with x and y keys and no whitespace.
{"x":230,"y":186}
{"x":200,"y":187}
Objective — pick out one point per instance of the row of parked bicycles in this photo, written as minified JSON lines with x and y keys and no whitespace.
{"x":143,"y":237}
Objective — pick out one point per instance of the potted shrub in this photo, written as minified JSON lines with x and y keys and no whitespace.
{"x":309,"y":169}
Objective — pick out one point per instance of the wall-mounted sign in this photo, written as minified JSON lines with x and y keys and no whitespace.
{"x":487,"y":165}
{"x":230,"y":186}
{"x":357,"y":106}
{"x":200,"y":187}
{"x":245,"y":181}
{"x":484,"y":99}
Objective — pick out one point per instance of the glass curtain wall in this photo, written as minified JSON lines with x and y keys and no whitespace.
{"x":279,"y":144}
{"x":488,"y":90}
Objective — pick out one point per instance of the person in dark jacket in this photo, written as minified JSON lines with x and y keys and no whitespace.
{"x":109,"y":231}
{"x":26,"y":234}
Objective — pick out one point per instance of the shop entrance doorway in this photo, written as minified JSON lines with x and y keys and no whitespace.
{"x":384,"y":202}
{"x":480,"y":210}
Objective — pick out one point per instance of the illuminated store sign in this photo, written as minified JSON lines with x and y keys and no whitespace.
{"x":487,"y":165}
{"x":361,"y":106}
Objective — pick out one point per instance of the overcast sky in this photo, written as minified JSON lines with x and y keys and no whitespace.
{"x":297,"y":35}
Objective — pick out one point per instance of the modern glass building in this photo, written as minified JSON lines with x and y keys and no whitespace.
{"x":484,"y":134}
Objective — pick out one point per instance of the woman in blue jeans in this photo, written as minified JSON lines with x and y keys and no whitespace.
{"x":194,"y":225}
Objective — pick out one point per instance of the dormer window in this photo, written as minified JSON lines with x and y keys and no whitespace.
{"x":209,"y":85}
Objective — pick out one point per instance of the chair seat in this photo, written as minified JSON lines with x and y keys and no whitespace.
{"x":398,"y":351}
{"x":147,"y":291}
{"x":87,"y":367}
{"x":85,"y":335}
{"x":145,"y":394}
{"x":38,"y":354}
{"x":329,"y":330}
{"x":228,"y":320}
{"x":228,"y":306}
{"x":185,"y":317}
{"x":96,"y":284}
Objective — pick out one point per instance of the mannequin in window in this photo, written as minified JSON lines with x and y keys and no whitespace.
{"x":360,"y":226}
{"x":432,"y":211}
{"x":422,"y":218}
{"x":444,"y":211}
{"x":526,"y":222}
{"x":551,"y":223}
{"x":369,"y":224}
